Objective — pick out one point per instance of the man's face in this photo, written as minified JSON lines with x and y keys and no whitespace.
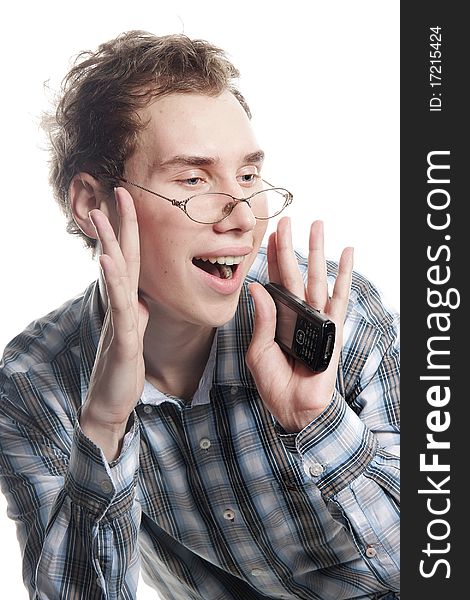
{"x":193,"y":144}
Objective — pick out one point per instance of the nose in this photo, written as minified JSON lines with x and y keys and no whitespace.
{"x":241,"y":218}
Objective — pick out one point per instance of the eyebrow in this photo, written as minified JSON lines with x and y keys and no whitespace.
{"x":188,"y":160}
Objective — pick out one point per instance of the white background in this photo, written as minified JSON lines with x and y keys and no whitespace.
{"x":322,"y":80}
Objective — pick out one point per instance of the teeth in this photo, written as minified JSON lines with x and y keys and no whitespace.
{"x":223,"y":260}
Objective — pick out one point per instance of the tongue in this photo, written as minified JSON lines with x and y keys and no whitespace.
{"x":225,"y":271}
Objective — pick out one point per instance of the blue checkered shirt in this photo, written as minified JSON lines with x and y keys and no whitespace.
{"x":210,"y":499}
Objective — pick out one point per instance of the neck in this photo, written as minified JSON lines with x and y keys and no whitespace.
{"x":175,"y":355}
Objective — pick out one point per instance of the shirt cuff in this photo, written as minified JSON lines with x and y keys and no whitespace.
{"x":103,"y":489}
{"x":335,"y":448}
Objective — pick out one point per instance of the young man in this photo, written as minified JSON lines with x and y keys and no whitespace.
{"x":153,"y":422}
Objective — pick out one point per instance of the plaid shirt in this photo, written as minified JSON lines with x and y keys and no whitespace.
{"x":212,"y":500}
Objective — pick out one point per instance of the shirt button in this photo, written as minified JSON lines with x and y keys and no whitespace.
{"x":106,"y":486}
{"x":316,"y":470}
{"x":370,"y":552}
{"x":257,"y":572}
{"x":233,"y":390}
{"x":229,"y":515}
{"x":147,"y":409}
{"x":204,"y":444}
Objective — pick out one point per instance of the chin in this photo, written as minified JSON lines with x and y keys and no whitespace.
{"x":221,"y":315}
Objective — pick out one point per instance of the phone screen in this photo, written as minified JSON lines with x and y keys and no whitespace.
{"x":286,"y":324}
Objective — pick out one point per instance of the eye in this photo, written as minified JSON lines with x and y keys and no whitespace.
{"x":192,"y":181}
{"x":249,"y":178}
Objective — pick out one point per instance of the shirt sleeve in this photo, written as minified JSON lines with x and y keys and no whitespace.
{"x":76,"y":515}
{"x":351,"y":453}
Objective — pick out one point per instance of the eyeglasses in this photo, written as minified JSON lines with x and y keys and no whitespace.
{"x":210,"y":208}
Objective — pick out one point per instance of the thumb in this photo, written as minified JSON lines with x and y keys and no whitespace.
{"x":264,"y":328}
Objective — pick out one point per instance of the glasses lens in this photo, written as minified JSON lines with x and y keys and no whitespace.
{"x":269,"y":203}
{"x":211,"y":208}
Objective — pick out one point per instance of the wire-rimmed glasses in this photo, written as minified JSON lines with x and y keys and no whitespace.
{"x":213,"y":207}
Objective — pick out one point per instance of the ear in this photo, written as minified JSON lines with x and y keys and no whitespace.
{"x":86,"y":193}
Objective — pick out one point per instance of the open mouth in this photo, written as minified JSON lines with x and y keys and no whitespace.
{"x":223,"y":267}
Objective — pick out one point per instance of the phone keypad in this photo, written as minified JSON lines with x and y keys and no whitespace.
{"x":306,"y":340}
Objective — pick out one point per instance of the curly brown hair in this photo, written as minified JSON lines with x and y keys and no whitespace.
{"x":95,"y":124}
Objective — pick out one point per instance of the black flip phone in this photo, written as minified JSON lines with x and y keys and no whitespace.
{"x":301,"y":331}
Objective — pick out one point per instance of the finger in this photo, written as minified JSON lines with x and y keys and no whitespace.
{"x":128,"y":234}
{"x":289,"y":272}
{"x":273,"y":267}
{"x":342,"y":288}
{"x":120,"y":319}
{"x":108,"y":240}
{"x":119,"y":301}
{"x":264,"y":328}
{"x":143,"y":317}
{"x":118,"y":296}
{"x":317,"y":286}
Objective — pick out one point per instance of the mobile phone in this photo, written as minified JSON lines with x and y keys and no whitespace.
{"x":301,"y":330}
